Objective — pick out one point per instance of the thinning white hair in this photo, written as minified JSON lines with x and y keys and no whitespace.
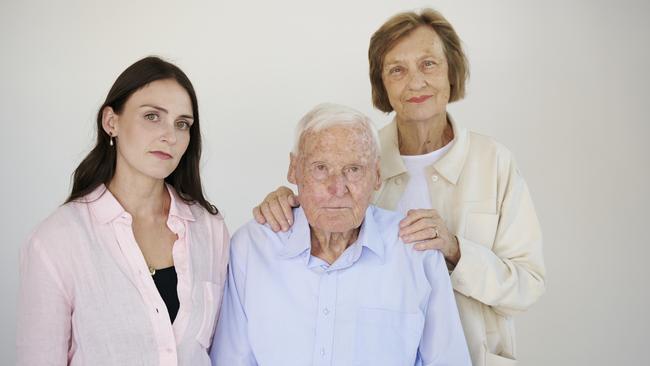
{"x":327,"y":115}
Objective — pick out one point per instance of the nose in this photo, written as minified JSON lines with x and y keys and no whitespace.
{"x":417,"y":80}
{"x":337,"y":185}
{"x":168,"y":133}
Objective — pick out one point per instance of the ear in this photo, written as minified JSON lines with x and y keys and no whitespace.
{"x":377,"y":172}
{"x":109,"y":121}
{"x":291,"y":174}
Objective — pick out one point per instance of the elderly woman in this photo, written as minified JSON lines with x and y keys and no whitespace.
{"x":340,"y":288}
{"x":462,"y":191}
{"x":130,"y":270}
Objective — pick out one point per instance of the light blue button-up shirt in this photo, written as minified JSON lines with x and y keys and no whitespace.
{"x":379,"y":303}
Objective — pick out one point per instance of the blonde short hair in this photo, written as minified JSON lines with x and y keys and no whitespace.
{"x":398,"y":27}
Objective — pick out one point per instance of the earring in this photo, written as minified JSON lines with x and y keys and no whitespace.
{"x":110,"y":142}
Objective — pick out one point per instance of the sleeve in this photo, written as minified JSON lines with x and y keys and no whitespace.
{"x":44,"y":310}
{"x":443,"y":341}
{"x":510,"y":277}
{"x":230,"y":346}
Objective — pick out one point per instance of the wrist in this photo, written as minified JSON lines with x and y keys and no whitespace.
{"x":454,"y":256}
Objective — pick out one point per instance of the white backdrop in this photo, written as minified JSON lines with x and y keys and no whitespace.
{"x":563,"y":84}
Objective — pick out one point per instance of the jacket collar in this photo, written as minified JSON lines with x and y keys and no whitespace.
{"x":449,"y":166}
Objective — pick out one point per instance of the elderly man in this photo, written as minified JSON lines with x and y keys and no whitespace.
{"x":339,"y":288}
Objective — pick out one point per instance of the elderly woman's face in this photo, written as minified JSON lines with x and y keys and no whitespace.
{"x":336,"y":173}
{"x":415,"y":75}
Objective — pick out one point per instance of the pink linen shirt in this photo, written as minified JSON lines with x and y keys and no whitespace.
{"x":87,"y":298}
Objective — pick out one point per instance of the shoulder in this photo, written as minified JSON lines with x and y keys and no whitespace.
{"x":483,"y":144}
{"x":203,"y":217}
{"x":386,"y":221}
{"x":61,"y":230}
{"x":252,"y":234}
{"x":485,"y":154}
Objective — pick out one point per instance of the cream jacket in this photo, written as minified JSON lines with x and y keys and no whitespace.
{"x":479,"y":192}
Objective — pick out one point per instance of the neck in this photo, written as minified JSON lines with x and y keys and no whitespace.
{"x":140,"y":197}
{"x":329,"y":246}
{"x":422,"y":137}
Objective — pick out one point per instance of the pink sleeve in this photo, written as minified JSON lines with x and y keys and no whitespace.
{"x":44,"y":309}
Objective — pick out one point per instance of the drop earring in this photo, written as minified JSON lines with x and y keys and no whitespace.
{"x":110,"y":142}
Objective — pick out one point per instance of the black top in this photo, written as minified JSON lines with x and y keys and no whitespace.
{"x":166,"y":281}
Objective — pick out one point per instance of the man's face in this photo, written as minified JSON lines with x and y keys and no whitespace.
{"x":336,"y":172}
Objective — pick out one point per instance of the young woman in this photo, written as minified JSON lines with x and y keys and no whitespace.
{"x":130,"y":270}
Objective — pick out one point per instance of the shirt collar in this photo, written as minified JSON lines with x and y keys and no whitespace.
{"x":107,"y":208}
{"x":449,"y":165}
{"x":298,"y":239}
{"x":178,"y":207}
{"x":369,"y":235}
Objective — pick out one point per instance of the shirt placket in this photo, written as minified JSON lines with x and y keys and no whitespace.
{"x":325,"y":318}
{"x":154,"y":303}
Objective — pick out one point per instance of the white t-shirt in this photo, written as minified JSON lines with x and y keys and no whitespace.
{"x":416,"y":193}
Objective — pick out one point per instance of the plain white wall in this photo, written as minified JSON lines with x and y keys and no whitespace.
{"x":564,"y":84}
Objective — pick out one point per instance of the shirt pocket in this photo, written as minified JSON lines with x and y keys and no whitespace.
{"x":386,"y":337}
{"x":481,"y":228}
{"x":206,"y":330}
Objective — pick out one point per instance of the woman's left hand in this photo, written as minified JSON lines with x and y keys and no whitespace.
{"x":428,"y":229}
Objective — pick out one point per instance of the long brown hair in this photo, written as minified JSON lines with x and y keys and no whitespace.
{"x":99,"y":165}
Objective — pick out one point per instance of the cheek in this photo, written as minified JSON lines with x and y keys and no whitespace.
{"x":393,"y":90}
{"x":183,"y":142}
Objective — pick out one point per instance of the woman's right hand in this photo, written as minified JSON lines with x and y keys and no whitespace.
{"x":276,"y":209}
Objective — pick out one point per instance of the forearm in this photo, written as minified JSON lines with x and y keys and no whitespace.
{"x":509,"y":284}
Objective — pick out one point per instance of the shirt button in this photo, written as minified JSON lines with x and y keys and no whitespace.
{"x":169,"y":350}
{"x":434,"y":178}
{"x":322,"y":352}
{"x":326,"y":311}
{"x":398,"y":181}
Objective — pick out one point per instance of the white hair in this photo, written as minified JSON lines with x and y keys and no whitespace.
{"x":329,"y":115}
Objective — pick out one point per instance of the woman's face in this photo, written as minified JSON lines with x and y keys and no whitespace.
{"x":415,"y":75}
{"x":153,"y":129}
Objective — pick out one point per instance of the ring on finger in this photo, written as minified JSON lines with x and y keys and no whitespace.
{"x":435,"y":228}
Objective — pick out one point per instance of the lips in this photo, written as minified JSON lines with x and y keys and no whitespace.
{"x":418,"y":99}
{"x":161,"y":155}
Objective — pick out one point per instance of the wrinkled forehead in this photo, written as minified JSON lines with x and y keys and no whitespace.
{"x":338,"y":143}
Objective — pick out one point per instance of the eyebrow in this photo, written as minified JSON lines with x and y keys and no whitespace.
{"x":399,"y":60}
{"x":164,"y":110}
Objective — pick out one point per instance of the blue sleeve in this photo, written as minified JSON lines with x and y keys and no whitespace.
{"x":443,"y":341}
{"x":230,"y":345}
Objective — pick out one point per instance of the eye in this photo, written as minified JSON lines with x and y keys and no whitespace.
{"x":151,"y":117}
{"x":429,"y":63}
{"x":395,"y":70}
{"x":353,"y":172}
{"x":183,"y":125}
{"x":319,"y":171}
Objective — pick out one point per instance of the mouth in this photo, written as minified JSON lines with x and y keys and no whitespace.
{"x":161,"y":155}
{"x":420,"y":99}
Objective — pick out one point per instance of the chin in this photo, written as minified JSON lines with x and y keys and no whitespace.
{"x":337,"y":224}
